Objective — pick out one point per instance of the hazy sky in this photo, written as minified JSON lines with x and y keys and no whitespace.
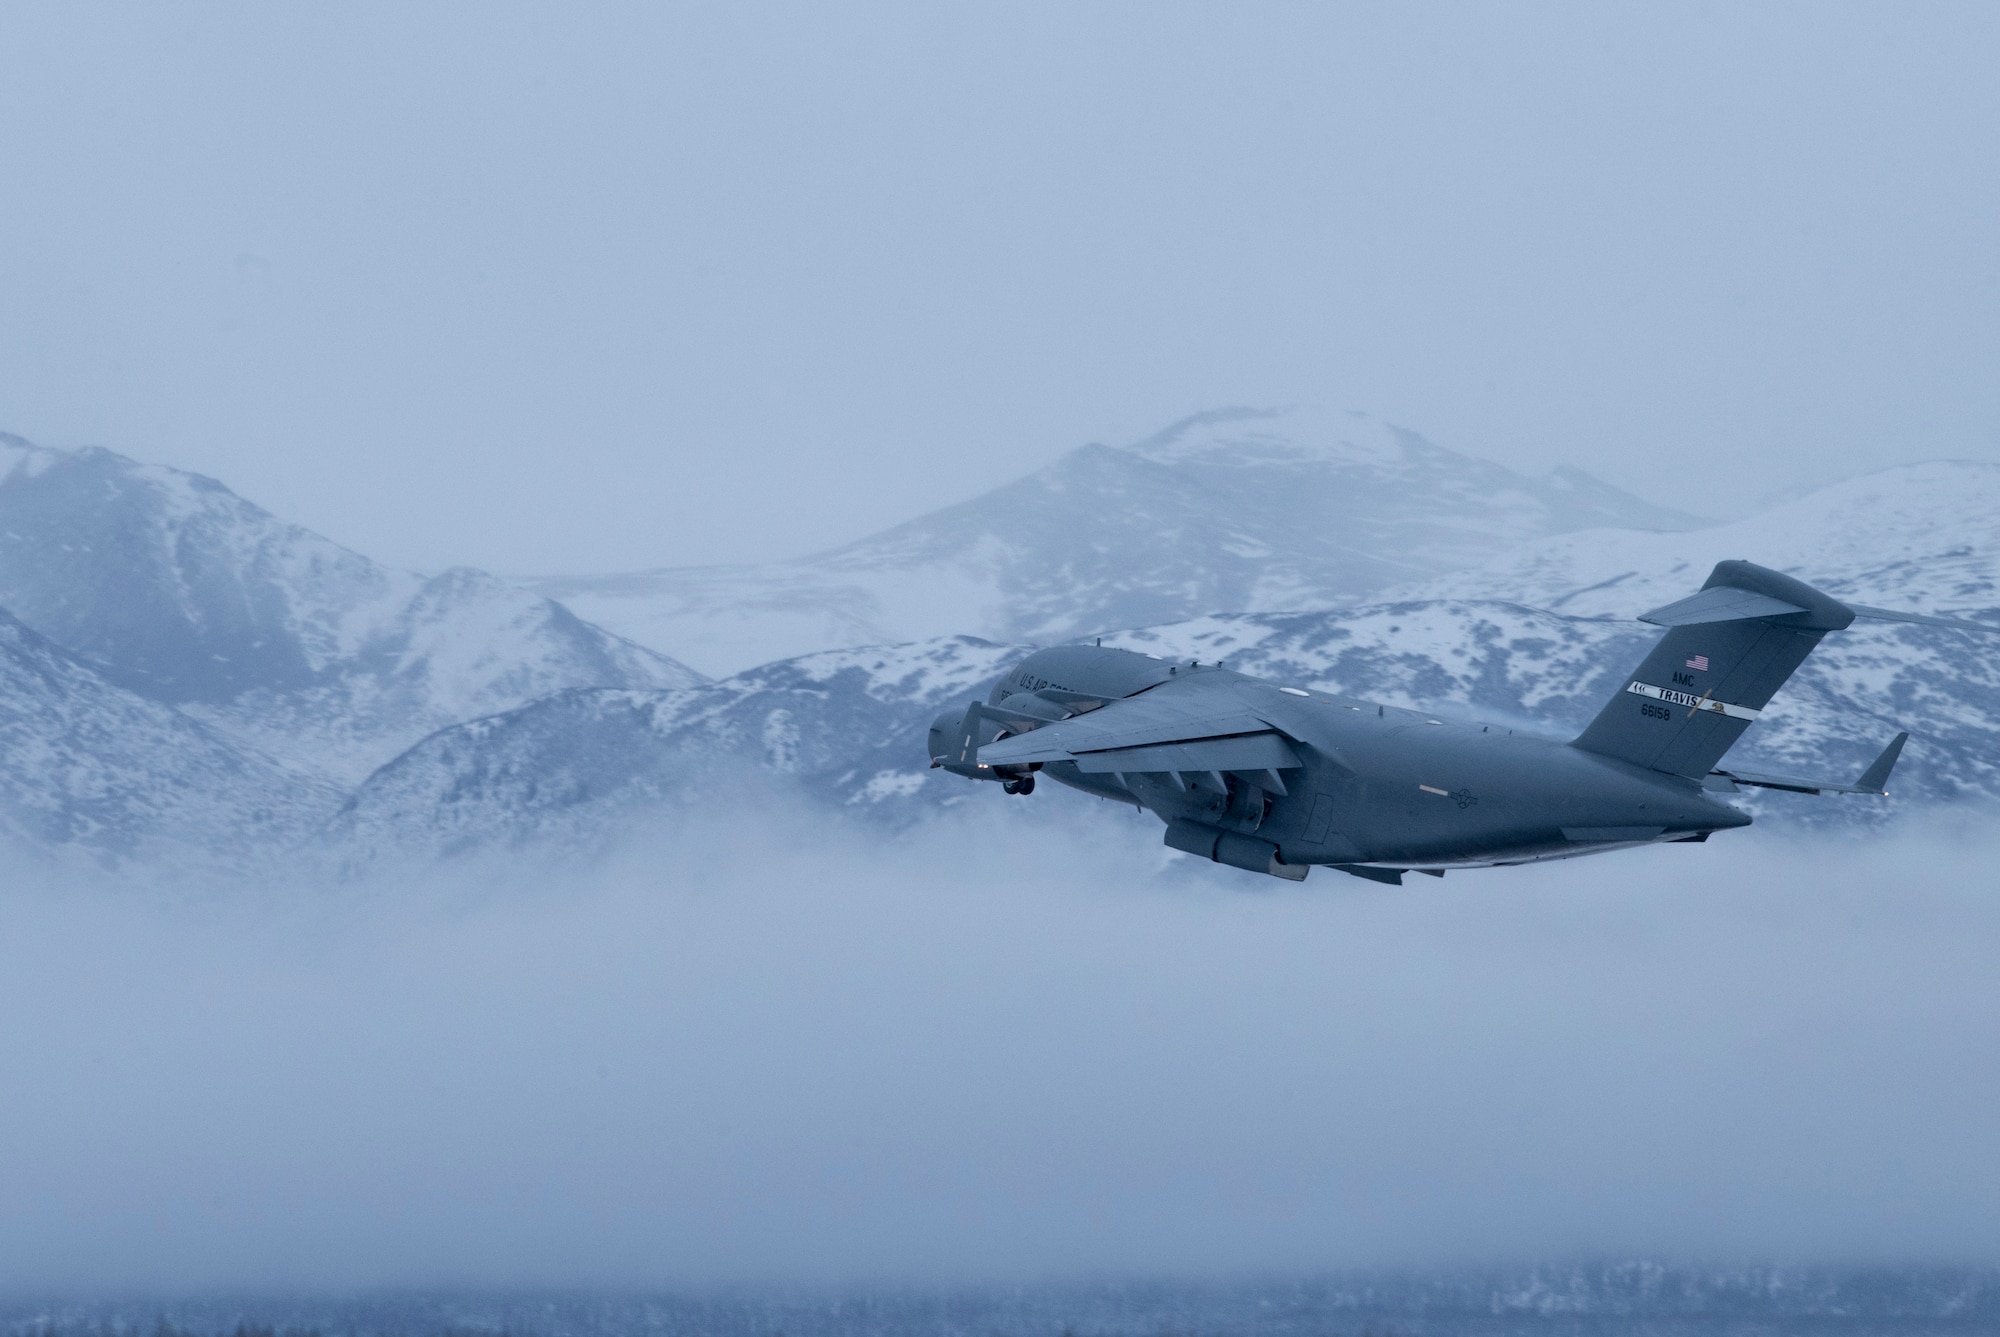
{"x":817,"y":1054}
{"x":578,"y":288}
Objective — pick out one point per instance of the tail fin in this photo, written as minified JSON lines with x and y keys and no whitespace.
{"x":1727,"y":651}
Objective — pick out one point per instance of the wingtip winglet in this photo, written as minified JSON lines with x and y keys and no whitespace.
{"x":1875,"y":780}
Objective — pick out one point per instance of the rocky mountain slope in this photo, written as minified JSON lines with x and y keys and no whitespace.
{"x":91,"y":771}
{"x":172,"y":587}
{"x":1235,"y":510}
{"x":844,"y":726}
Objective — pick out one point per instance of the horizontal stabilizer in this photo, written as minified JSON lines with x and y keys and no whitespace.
{"x":1874,"y":780}
{"x":1891,"y":615}
{"x":1719,"y":603}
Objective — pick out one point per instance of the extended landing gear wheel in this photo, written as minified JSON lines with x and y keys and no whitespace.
{"x":1024,"y":785}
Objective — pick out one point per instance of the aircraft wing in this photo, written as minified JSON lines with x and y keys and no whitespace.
{"x":1150,"y":736}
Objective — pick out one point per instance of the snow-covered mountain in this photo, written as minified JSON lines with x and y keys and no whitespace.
{"x":1920,"y":537}
{"x":171,"y":586}
{"x":1237,"y":510}
{"x":188,"y":672}
{"x":847,"y":726}
{"x":91,"y":771}
{"x":1540,"y":637}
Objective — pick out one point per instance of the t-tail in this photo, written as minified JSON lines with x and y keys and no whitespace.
{"x":1727,"y":651}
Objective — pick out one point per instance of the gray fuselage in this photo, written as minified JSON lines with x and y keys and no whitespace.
{"x":1375,"y":785}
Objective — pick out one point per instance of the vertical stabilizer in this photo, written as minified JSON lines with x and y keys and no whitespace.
{"x":1727,"y":651}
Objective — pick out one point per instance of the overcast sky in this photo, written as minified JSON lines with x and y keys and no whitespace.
{"x":577,"y":288}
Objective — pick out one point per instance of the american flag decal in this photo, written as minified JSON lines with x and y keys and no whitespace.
{"x":1699,"y":662}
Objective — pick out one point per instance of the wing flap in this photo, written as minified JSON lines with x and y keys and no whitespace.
{"x":1787,"y":782}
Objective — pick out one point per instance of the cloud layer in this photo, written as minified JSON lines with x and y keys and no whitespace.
{"x":994,"y":1050}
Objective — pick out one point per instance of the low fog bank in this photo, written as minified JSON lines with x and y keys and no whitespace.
{"x":765,"y":1047}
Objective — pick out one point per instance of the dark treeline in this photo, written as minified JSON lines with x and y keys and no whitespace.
{"x":1642,"y":1299}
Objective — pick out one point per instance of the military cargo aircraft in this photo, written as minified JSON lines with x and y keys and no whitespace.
{"x":1275,"y":778}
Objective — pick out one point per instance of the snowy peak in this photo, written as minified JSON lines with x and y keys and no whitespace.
{"x":1368,"y":452}
{"x":172,"y":586}
{"x":1921,"y":537}
{"x":1279,"y":436}
{"x":20,"y":457}
{"x":1293,"y":474}
{"x":1236,"y":509}
{"x":168,"y":582}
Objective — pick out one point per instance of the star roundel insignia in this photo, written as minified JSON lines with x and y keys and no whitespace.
{"x":1464,"y":798}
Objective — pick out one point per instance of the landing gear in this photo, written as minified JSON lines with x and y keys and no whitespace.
{"x":1024,"y":785}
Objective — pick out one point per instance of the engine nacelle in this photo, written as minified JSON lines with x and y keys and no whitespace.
{"x":1238,"y":851}
{"x":957,"y":734}
{"x":944,"y":740}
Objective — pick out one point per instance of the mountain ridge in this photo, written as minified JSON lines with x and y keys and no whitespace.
{"x":232,"y":679}
{"x":173,"y":587}
{"x":102,"y":774}
{"x":1539,"y":636}
{"x":1923,"y":537}
{"x":1231,"y":510}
